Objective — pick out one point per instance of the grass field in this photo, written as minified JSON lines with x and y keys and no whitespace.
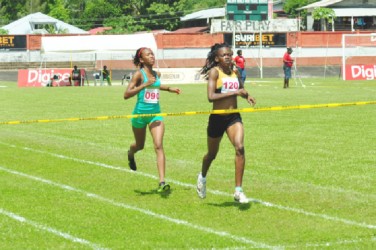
{"x":311,"y":173}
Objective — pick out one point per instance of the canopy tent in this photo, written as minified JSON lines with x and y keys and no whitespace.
{"x":97,"y":43}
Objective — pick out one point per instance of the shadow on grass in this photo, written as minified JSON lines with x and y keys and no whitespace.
{"x":165,"y":194}
{"x":240,"y":206}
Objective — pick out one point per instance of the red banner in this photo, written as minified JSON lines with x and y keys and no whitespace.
{"x":360,"y":72}
{"x":46,"y":78}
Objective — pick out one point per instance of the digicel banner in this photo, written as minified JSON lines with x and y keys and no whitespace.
{"x":41,"y":77}
{"x":360,"y":72}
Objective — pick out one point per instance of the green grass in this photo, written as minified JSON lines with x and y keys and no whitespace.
{"x":310,"y":172}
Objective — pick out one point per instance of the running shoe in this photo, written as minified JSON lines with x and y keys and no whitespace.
{"x":163,"y":187}
{"x":240,"y":197}
{"x":201,"y":186}
{"x":131,"y":163}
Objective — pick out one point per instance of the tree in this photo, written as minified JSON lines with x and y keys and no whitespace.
{"x":59,"y":11}
{"x":163,"y":16}
{"x":324,"y":15}
{"x":291,"y":6}
{"x":123,"y":15}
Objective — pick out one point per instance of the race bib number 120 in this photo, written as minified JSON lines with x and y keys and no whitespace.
{"x":229,"y":84}
{"x":151,"y":96}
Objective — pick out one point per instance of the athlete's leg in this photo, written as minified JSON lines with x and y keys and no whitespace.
{"x":139,"y":136}
{"x":157,"y":132}
{"x":213,"y":147}
{"x":236,"y":135}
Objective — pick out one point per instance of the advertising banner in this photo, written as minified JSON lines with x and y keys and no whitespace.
{"x":181,"y":75}
{"x":12,"y":42}
{"x":253,"y":40}
{"x":360,"y":72}
{"x":247,"y":26}
{"x":44,"y":77}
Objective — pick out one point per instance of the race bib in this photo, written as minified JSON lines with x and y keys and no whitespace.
{"x":151,"y":96}
{"x":229,"y":84}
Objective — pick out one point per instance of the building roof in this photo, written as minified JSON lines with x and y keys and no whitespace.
{"x":99,"y":30}
{"x":192,"y":30}
{"x":29,"y":25}
{"x":346,"y":12}
{"x":204,"y":14}
{"x":322,"y":3}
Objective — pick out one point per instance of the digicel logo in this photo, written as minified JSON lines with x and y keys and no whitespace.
{"x":41,"y":77}
{"x":367,"y":72}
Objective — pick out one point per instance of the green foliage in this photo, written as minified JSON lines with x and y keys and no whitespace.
{"x":323,"y":13}
{"x":163,"y":16}
{"x":3,"y":32}
{"x":87,"y":14}
{"x":291,"y":6}
{"x":59,"y":11}
{"x":326,"y":15}
{"x":124,"y":24}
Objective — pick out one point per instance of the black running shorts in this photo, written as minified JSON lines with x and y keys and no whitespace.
{"x":218,"y":124}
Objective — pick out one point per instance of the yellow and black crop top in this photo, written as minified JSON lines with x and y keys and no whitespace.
{"x":226,"y":83}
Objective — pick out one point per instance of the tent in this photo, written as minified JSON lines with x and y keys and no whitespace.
{"x":97,"y":43}
{"x":35,"y":24}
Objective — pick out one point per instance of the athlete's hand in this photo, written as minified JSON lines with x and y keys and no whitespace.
{"x":177,"y":91}
{"x":151,"y":81}
{"x":251,"y":100}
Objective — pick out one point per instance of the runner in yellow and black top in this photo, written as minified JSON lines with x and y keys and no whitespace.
{"x":145,"y":83}
{"x":224,"y":86}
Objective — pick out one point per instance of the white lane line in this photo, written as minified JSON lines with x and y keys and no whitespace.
{"x":334,"y":243}
{"x":49,"y":229}
{"x":216,"y":192}
{"x":144,"y":211}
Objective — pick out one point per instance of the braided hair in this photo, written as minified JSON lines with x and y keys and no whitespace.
{"x":210,"y":60}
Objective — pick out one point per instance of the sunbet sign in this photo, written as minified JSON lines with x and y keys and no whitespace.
{"x":43,"y":77}
{"x":360,"y":72}
{"x":252,"y":40}
{"x":13,"y":42}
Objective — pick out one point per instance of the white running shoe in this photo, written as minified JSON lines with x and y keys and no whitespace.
{"x":201,"y":186}
{"x":240,"y":197}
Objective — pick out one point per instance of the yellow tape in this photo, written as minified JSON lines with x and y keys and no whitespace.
{"x":222,"y":111}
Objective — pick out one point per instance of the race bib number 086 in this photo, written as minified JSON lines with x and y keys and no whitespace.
{"x":151,"y":96}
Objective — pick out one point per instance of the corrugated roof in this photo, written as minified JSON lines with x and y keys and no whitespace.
{"x":192,"y":30}
{"x":323,"y":3}
{"x":203,"y":14}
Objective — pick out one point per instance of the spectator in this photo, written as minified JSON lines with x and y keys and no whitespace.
{"x":287,"y":64}
{"x":106,"y":76}
{"x":75,"y":76}
{"x":240,"y":64}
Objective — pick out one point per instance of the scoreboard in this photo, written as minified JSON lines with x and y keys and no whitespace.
{"x":254,"y":10}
